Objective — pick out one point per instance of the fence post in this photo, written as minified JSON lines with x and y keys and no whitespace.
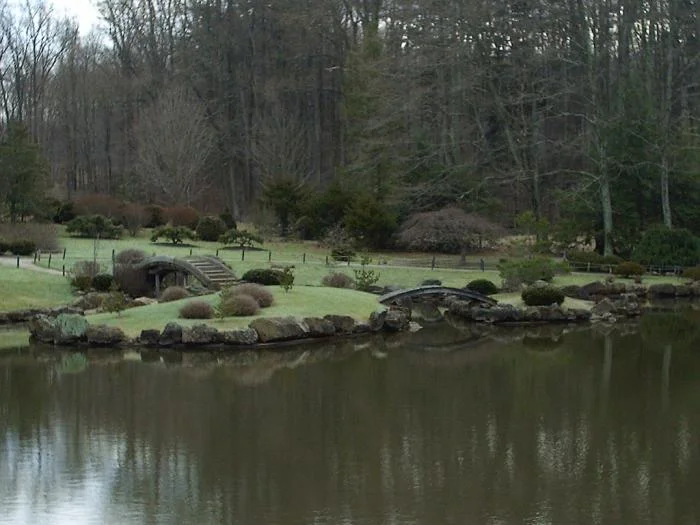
{"x":64,"y":254}
{"x":114,"y":264}
{"x":190,"y":252}
{"x":243,"y":254}
{"x":63,"y":270}
{"x":303,"y":259}
{"x":18,"y":261}
{"x":49,"y":260}
{"x":217,"y":252}
{"x":432,"y":263}
{"x":326,"y":260}
{"x":269,"y":255}
{"x":35,"y":257}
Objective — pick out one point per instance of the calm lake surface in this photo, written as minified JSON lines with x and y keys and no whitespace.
{"x":539,"y":426}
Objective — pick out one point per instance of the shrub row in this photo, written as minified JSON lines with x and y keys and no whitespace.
{"x":542,"y":295}
{"x":17,"y":247}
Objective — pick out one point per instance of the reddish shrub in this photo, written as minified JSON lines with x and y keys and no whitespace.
{"x":173,"y":293}
{"x":44,"y":236}
{"x":155,"y":216}
{"x":238,"y":305}
{"x":98,"y":204}
{"x":133,"y":216}
{"x":196,"y":310}
{"x":182,"y":216}
{"x":262,"y":295}
{"x":338,"y":280}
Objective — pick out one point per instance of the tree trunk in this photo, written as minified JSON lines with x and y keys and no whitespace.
{"x":606,"y":203}
{"x":665,"y":199}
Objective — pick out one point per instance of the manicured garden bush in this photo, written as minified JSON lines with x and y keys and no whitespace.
{"x":210,"y":228}
{"x":542,"y":296}
{"x":239,"y":305}
{"x":43,"y":235}
{"x":257,"y":291}
{"x":154,"y":216}
{"x":90,"y":268}
{"x":594,"y":258}
{"x":130,"y":256}
{"x":668,"y":247}
{"x":102,"y":282}
{"x":343,"y":253}
{"x":132,"y":280}
{"x":82,"y":283}
{"x":174,"y":234}
{"x":338,"y":280}
{"x":518,"y":271}
{"x":22,"y":247}
{"x":173,"y":293}
{"x":98,"y":204}
{"x":266,"y":276}
{"x":185,"y":216}
{"x":94,"y":227}
{"x":692,"y":273}
{"x":228,"y":221}
{"x":242,"y":239}
{"x":629,"y":269}
{"x":482,"y":286}
{"x":196,"y":310}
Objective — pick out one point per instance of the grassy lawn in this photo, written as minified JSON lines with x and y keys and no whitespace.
{"x":29,"y":289}
{"x":302,"y":301}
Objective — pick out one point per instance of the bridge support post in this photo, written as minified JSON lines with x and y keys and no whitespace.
{"x":157,"y":276}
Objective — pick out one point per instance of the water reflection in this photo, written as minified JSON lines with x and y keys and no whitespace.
{"x":530,"y":426}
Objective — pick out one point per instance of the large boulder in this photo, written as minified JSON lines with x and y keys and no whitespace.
{"x":592,"y":290}
{"x":602,"y":308}
{"x":344,"y":324}
{"x":572,"y":290}
{"x":246,"y":336}
{"x":103,"y":335}
{"x":200,"y":334}
{"x":171,"y":335}
{"x":396,"y":320}
{"x":149,"y":337}
{"x":319,"y":327}
{"x":377,"y":319}
{"x":662,"y":290}
{"x":64,"y":329}
{"x":71,"y":328}
{"x":279,"y":329}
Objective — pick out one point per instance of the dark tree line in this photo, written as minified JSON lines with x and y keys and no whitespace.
{"x":585,"y":112}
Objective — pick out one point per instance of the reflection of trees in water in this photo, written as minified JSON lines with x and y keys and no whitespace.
{"x":568,"y":435}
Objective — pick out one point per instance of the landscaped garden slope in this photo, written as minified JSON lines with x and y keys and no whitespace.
{"x":21,"y":289}
{"x":301,"y":301}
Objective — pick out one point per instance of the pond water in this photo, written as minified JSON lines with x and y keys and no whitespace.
{"x":446,"y":426}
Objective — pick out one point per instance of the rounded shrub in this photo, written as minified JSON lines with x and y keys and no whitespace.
{"x":89,"y":268}
{"x":692,"y":273}
{"x":542,"y":296}
{"x":154,"y":216}
{"x":130,"y":256}
{"x":22,"y":247}
{"x":629,"y":269}
{"x":228,"y":220}
{"x":338,"y":280}
{"x":102,"y":282}
{"x":343,"y":253}
{"x":196,"y":310}
{"x":266,"y":276}
{"x":663,"y":246}
{"x":482,"y":286}
{"x":239,"y":305}
{"x":210,"y":228}
{"x":173,"y":293}
{"x":257,"y":291}
{"x":82,"y":283}
{"x":182,"y":216}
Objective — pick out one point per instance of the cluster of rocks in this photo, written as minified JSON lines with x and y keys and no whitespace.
{"x":24,"y":316}
{"x":505,"y":313}
{"x":596,"y":291}
{"x":73,"y":330}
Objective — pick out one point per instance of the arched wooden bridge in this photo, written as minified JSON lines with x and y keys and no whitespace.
{"x":208,"y":270}
{"x":435,"y":291}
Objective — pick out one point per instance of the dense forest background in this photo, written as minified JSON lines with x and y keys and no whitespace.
{"x":584,"y":112}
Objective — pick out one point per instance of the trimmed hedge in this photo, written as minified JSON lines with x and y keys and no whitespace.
{"x":210,"y":228}
{"x":663,"y":246}
{"x":93,"y":227}
{"x":196,"y":310}
{"x":266,"y":276}
{"x":102,"y":282}
{"x":21,"y":247}
{"x":629,"y":269}
{"x":482,"y":286}
{"x":542,"y":296}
